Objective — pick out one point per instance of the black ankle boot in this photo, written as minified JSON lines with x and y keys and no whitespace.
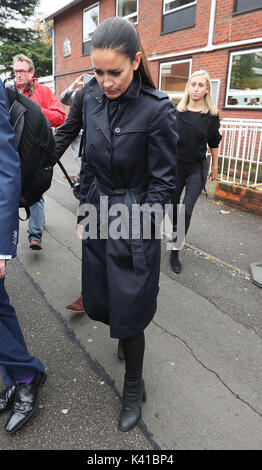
{"x":120,"y":351}
{"x":133,"y":395}
{"x":174,"y":261}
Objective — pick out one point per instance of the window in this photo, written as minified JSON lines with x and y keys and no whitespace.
{"x":244,"y":87}
{"x":90,"y":22}
{"x":242,"y":6}
{"x":171,"y":5}
{"x":178,"y":14}
{"x":174,"y":77}
{"x":127,"y":9}
{"x":215,"y":87}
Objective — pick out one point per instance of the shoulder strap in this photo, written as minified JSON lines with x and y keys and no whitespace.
{"x":17,"y":112}
{"x":158,"y":94}
{"x":79,"y":154}
{"x":65,"y":173}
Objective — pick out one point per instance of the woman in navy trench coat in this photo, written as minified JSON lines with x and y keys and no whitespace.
{"x":129,"y":159}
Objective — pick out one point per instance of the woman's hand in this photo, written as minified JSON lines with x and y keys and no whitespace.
{"x":78,"y":83}
{"x":79,"y":231}
{"x":213,"y":174}
{"x":2,"y":268}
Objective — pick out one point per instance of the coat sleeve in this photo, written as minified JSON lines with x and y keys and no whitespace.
{"x":214,"y":134}
{"x":10,"y":181}
{"x":162,"y":154}
{"x":52,"y":108}
{"x":87,"y":174}
{"x":67,"y":96}
{"x":72,"y":125}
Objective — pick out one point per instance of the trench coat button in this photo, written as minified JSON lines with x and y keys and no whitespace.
{"x":117,"y":130}
{"x":92,"y":147}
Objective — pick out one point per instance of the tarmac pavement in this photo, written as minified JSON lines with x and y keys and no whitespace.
{"x":202,"y":365}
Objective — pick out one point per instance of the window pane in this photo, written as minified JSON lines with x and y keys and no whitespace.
{"x":90,"y":20}
{"x":127,"y":7}
{"x":174,"y":77}
{"x":245,"y":88}
{"x":215,"y":85}
{"x":172,"y":4}
{"x":242,"y":6}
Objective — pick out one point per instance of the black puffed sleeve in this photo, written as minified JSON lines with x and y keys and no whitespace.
{"x":214,"y":136}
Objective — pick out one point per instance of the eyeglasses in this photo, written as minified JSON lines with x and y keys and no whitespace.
{"x":16,"y":72}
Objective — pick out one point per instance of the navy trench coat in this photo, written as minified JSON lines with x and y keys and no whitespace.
{"x":130,"y":159}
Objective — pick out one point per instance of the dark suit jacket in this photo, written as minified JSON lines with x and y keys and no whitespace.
{"x":10,"y":181}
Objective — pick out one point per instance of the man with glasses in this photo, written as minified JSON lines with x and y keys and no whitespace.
{"x":24,"y":71}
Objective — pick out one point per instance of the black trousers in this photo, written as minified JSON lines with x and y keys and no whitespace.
{"x":193,"y":178}
{"x":15,"y":361}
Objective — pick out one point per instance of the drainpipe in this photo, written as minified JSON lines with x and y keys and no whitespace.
{"x":210,"y":46}
{"x":53,"y":50}
{"x":53,"y":58}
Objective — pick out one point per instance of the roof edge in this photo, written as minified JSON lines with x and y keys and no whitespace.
{"x":62,"y":10}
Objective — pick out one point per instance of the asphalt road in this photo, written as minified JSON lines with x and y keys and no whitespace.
{"x":203,"y":349}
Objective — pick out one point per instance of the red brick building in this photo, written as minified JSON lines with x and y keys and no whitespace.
{"x":179,"y":37}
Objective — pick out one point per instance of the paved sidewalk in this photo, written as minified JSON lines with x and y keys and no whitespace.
{"x":202,"y":368}
{"x":79,"y":404}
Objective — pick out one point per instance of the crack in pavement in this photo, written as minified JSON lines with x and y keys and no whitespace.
{"x":190,"y":350}
{"x":62,"y":244}
{"x":184,"y":342}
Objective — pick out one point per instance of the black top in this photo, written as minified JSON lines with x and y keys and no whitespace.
{"x":196,"y":130}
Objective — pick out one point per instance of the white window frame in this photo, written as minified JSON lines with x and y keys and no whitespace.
{"x":127,"y":17}
{"x":178,"y":94}
{"x":166,"y":2}
{"x":84,"y":11}
{"x":240,"y":92}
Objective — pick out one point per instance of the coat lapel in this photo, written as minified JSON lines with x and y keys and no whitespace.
{"x":100,"y":116}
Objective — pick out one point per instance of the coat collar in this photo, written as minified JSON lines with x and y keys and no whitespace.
{"x":100,"y":114}
{"x":133,"y":90}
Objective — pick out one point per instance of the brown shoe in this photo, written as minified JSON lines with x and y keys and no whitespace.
{"x":35,"y":245}
{"x":77,"y":306}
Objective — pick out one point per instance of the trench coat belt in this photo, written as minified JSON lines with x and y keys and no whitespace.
{"x":136,"y":239}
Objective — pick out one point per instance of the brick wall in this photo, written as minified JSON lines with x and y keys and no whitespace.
{"x":228,"y":28}
{"x":150,"y":24}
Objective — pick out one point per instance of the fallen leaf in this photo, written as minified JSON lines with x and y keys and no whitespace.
{"x":225,"y":212}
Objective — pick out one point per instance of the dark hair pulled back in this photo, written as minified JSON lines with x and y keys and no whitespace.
{"x":121,"y":35}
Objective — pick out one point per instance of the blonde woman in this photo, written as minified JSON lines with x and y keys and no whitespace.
{"x":198,"y":126}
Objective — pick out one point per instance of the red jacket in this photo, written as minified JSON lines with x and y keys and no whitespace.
{"x":50,"y":104}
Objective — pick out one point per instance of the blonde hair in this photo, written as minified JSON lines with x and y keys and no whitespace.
{"x":208,"y":102}
{"x":24,"y":58}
